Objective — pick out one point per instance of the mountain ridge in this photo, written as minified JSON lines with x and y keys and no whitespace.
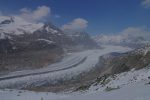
{"x":26,"y":44}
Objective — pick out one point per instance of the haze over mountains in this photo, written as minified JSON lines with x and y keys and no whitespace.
{"x":132,"y":36}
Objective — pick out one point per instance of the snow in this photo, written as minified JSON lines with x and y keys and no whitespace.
{"x":68,"y":68}
{"x":133,"y":85}
{"x":10,"y":94}
{"x":48,"y":29}
{"x":130,"y":77}
{"x":2,"y":18}
{"x":143,"y":50}
{"x":19,"y":26}
{"x":124,"y":79}
{"x":131,"y":92}
{"x":48,"y":41}
{"x":138,"y":90}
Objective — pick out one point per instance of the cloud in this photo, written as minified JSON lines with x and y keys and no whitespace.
{"x":109,"y":39}
{"x":76,"y":24}
{"x":35,"y":15}
{"x":136,"y":32}
{"x":146,"y":3}
{"x":128,"y":35}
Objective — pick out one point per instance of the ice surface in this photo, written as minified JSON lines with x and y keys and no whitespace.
{"x":69,"y":67}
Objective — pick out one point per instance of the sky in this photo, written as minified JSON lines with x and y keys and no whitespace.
{"x":93,"y":16}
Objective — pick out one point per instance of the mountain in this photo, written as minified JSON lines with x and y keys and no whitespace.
{"x":20,"y":34}
{"x":25,"y":45}
{"x":17,"y":28}
{"x":20,"y":30}
{"x":81,"y":39}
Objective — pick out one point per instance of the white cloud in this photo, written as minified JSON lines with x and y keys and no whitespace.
{"x":146,"y":3}
{"x":76,"y":24}
{"x":136,"y":32}
{"x":35,"y":15}
{"x":109,"y":39}
{"x":127,"y":35}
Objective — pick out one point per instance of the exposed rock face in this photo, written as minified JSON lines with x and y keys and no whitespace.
{"x":136,"y":59}
{"x":56,"y":35}
{"x":5,"y":46}
{"x":24,"y":54}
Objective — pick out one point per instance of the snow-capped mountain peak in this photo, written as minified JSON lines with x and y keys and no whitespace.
{"x":5,"y":20}
{"x":50,"y":28}
{"x":17,"y":25}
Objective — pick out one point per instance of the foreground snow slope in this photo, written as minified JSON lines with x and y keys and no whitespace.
{"x":131,"y":92}
{"x":27,"y":95}
{"x":132,"y":85}
{"x":131,"y":88}
{"x":62,"y":70}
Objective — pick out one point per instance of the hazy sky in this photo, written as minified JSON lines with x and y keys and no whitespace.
{"x":95,"y":16}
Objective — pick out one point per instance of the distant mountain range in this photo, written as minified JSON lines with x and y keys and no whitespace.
{"x":134,"y":42}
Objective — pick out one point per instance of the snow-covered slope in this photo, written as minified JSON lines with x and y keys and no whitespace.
{"x":131,"y":92}
{"x":10,"y":94}
{"x":133,"y":85}
{"x":117,"y":81}
{"x":144,"y":50}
